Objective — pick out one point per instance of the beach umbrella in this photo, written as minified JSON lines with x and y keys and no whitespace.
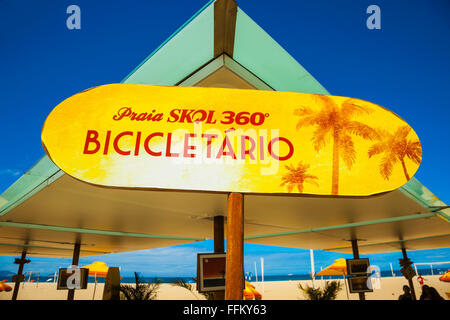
{"x":97,"y":269}
{"x":338,"y":268}
{"x":445,"y":277}
{"x":4,"y":286}
{"x":250,"y":292}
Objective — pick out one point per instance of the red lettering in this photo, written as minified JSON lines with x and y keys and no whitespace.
{"x":116,"y":143}
{"x":91,"y":137}
{"x":149,"y":117}
{"x":142,"y":116}
{"x":209,"y":138}
{"x":202,"y":116}
{"x":138,"y":143}
{"x":108,"y":137}
{"x":147,"y":140}
{"x":173,"y":116}
{"x":251,"y":147}
{"x":210,"y":117}
{"x":261,"y":148}
{"x":187,"y":147}
{"x":168,"y":145}
{"x":157,"y":117}
{"x":186,"y":115}
{"x":123,"y":112}
{"x":226,"y":143}
{"x":277,"y":157}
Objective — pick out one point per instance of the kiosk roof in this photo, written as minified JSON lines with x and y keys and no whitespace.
{"x":47,"y":211}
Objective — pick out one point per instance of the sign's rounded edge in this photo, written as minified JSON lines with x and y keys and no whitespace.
{"x":288,"y":194}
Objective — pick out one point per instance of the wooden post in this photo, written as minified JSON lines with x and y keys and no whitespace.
{"x":219,"y":234}
{"x":235,"y":248}
{"x":362,"y":296}
{"x":111,"y":290}
{"x":19,"y":273}
{"x":76,"y":257}
{"x":411,"y":284}
{"x":219,"y":247}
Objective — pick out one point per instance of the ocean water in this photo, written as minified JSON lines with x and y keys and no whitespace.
{"x":249,"y":277}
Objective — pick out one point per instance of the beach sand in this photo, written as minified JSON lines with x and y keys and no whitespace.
{"x":390,"y":289}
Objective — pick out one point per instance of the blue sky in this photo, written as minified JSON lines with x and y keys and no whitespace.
{"x":405,"y":67}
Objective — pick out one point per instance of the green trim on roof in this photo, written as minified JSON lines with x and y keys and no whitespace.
{"x":257,"y":57}
{"x":245,"y":74}
{"x":263,"y":56}
{"x":419,"y":193}
{"x":202,"y":73}
{"x":190,"y":47}
{"x":347,"y":225}
{"x":168,"y":39}
{"x":53,"y":248}
{"x":388,"y":242}
{"x":227,"y":62}
{"x":93,"y":231}
{"x":43,"y":173}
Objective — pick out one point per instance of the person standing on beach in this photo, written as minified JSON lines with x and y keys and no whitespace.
{"x":430,"y":293}
{"x":406,"y":295}
{"x":421,"y":280}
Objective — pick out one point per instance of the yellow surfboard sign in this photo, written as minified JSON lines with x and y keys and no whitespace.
{"x":230,"y":140}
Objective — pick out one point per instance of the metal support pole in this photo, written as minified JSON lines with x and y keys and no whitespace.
{"x":392,"y":270}
{"x":411,"y":284}
{"x":76,"y":257}
{"x":362,"y":296}
{"x":19,"y":273}
{"x":219,"y":247}
{"x":262,"y":273}
{"x":234,"y":282}
{"x":313,"y":270}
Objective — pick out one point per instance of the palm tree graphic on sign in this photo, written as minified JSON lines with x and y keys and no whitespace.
{"x":297,"y":176}
{"x":396,"y":147}
{"x":336,"y":122}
